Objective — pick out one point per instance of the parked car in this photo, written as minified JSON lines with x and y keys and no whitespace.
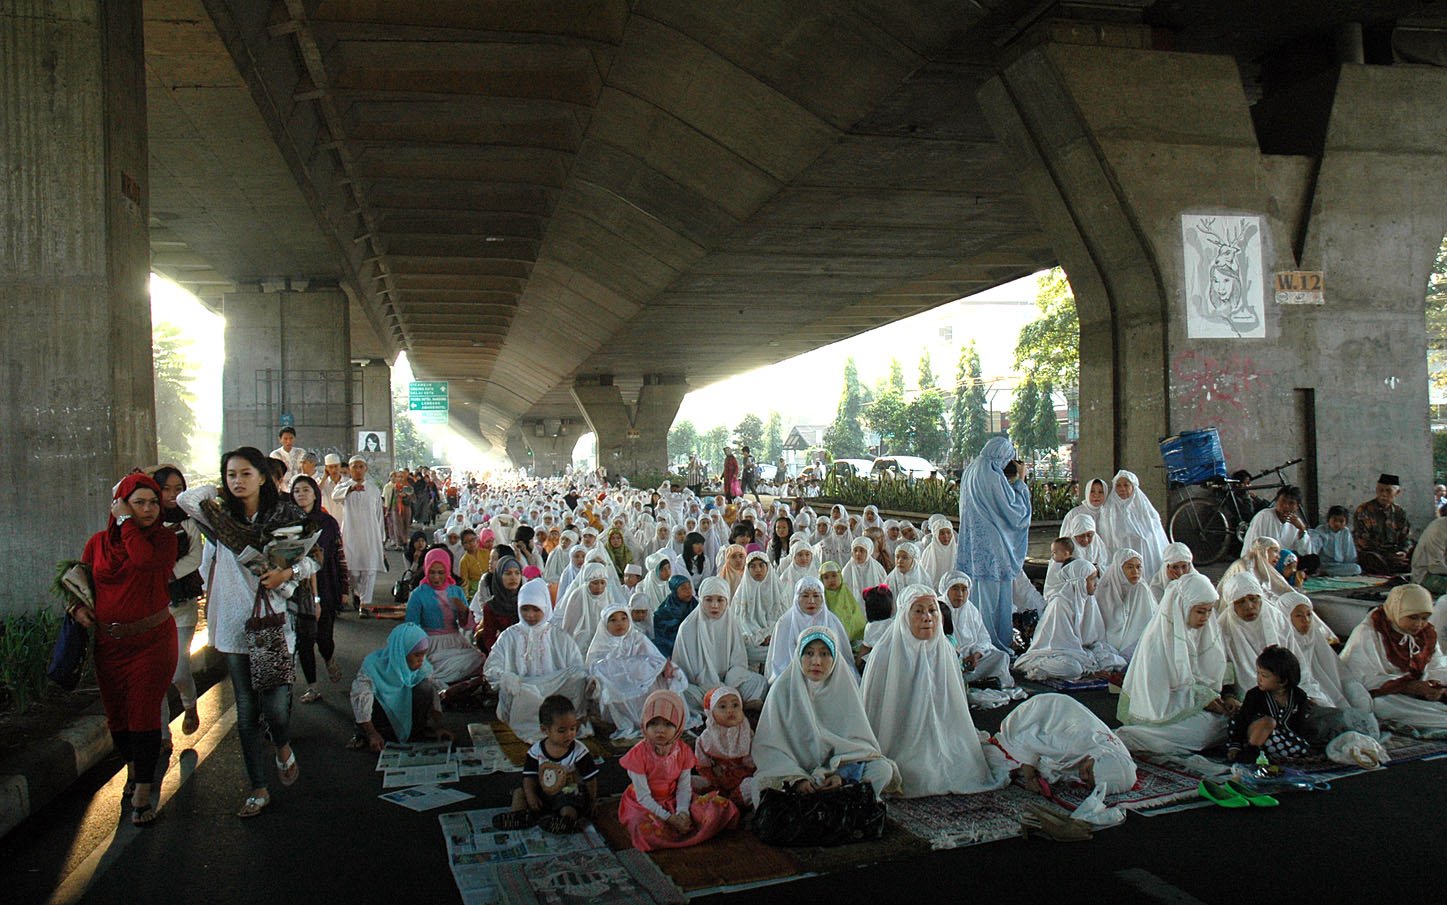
{"x":902,"y":467}
{"x":851,"y":468}
{"x":767,"y":473}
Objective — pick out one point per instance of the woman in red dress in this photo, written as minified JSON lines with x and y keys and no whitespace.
{"x":731,"y":486}
{"x":135,"y":639}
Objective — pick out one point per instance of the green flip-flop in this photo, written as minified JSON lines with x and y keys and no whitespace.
{"x":1225,"y":796}
{"x":1255,"y":799}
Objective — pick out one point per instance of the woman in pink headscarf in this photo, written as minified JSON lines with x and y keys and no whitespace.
{"x":440,"y":607}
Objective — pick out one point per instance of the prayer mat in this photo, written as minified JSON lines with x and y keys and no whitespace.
{"x":1403,"y":749}
{"x":732,"y":858}
{"x":953,"y":821}
{"x":515,"y":748}
{"x":898,"y":843}
{"x":1156,"y":787}
{"x":597,"y":877}
{"x":1321,"y":583}
{"x":1097,"y":684}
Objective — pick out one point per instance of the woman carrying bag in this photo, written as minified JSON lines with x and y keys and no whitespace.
{"x":247,"y":612}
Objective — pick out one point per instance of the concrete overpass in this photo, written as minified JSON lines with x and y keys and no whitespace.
{"x":575,"y":211}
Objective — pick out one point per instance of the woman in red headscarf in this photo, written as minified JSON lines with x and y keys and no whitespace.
{"x":135,"y":638}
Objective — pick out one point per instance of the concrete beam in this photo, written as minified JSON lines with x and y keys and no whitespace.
{"x":1116,"y":145}
{"x":632,"y":438}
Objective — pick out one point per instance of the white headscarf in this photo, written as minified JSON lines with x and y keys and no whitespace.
{"x":808,"y":730}
{"x":1126,"y":608}
{"x":1071,"y":631}
{"x":789,"y":573}
{"x":1175,"y":552}
{"x":1054,"y":732}
{"x":758,"y":604}
{"x":834,"y":546}
{"x":531,"y":650}
{"x":1132,"y":523}
{"x":1245,"y":640}
{"x":627,"y":666}
{"x":578,"y":614}
{"x":914,"y":696}
{"x":937,"y":559}
{"x":898,"y":580}
{"x":1080,"y":523}
{"x":794,"y":621}
{"x":641,"y":601}
{"x":718,"y":741}
{"x":1321,"y":672}
{"x":712,"y":651}
{"x":1176,"y":666}
{"x":859,"y":577}
{"x":970,"y":632}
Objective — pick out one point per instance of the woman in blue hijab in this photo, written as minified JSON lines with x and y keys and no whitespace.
{"x":672,"y":611}
{"x":393,"y":696}
{"x":994,"y":533}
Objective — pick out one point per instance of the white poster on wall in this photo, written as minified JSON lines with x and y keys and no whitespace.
{"x":1225,"y":283}
{"x":372,"y":441}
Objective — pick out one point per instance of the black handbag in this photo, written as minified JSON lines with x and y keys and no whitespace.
{"x":839,"y":816}
{"x":403,"y":588}
{"x":67,"y":658}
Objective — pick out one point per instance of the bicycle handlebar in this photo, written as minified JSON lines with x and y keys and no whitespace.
{"x":1278,"y":468}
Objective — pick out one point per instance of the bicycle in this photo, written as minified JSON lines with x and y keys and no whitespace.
{"x":1210,"y":524}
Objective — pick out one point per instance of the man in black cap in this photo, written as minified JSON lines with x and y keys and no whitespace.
{"x":1381,"y":530}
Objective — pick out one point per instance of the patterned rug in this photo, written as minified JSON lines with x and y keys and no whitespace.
{"x":1403,"y":749}
{"x":1322,"y":583}
{"x":1156,"y":786}
{"x":596,"y":877}
{"x":953,"y":821}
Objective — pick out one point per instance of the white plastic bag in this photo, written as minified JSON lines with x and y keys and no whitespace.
{"x":1356,"y":749}
{"x":1093,"y":809}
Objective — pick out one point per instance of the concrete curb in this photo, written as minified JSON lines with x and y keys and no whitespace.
{"x":33,"y":777}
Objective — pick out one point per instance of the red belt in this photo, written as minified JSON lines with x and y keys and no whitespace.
{"x":120,"y":630}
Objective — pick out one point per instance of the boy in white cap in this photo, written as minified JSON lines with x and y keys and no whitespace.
{"x":331,"y":476}
{"x":362,"y":529}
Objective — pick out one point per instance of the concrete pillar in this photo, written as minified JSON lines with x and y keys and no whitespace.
{"x":632,"y":439}
{"x":78,"y":409}
{"x":517,"y":449}
{"x":288,"y":357}
{"x":1116,"y":145}
{"x":374,"y":377}
{"x":551,"y":442}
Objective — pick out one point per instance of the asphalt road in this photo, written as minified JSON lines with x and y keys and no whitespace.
{"x":329,"y":839}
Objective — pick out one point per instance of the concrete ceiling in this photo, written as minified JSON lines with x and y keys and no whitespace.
{"x":518,"y":193}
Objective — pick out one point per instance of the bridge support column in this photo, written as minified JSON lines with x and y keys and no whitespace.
{"x":78,"y":408}
{"x":288,"y":361}
{"x":374,"y":378}
{"x":517,"y":449}
{"x":632,"y":439}
{"x":551,"y":443}
{"x":1121,"y":150}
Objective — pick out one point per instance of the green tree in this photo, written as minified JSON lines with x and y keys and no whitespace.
{"x":896,"y":378}
{"x":888,"y":416}
{"x":711,"y":444}
{"x":925,"y":417}
{"x":410,"y":449}
{"x":773,"y":437}
{"x":750,"y":433}
{"x":682,"y":440}
{"x":970,"y":418}
{"x":1049,"y":346}
{"x":1437,"y":318}
{"x":926,"y":372}
{"x":845,"y":437}
{"x":175,"y":417}
{"x":1032,"y":419}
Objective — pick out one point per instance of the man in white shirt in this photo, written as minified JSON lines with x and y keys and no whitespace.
{"x":1283,"y":522}
{"x":331,"y":476}
{"x":362,"y":529}
{"x":291,"y":454}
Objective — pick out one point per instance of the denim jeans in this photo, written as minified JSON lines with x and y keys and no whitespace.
{"x":274,"y":704}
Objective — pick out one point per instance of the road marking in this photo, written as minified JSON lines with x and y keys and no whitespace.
{"x":1156,"y":888}
{"x":100,"y":859}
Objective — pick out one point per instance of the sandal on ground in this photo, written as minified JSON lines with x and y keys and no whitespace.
{"x":253,"y":805}
{"x":191,"y":722}
{"x":514,"y":820}
{"x":128,"y":791}
{"x":334,"y":672}
{"x":143,"y":814}
{"x":311,"y":696}
{"x":556,"y":823}
{"x":287,"y":771}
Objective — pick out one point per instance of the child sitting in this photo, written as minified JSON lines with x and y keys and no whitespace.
{"x":533,"y":660}
{"x":879,"y":610}
{"x":658,"y":808}
{"x":640,"y":609}
{"x":560,"y":777}
{"x":723,"y":751}
{"x":1272,"y":718}
{"x":1062,"y":551}
{"x":624,"y":667}
{"x":1335,"y":545}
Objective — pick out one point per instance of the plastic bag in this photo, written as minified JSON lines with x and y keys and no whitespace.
{"x":1094,"y":811}
{"x":1357,"y":749}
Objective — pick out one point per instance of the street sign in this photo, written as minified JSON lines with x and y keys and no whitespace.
{"x":426,"y":417}
{"x":427,"y":396}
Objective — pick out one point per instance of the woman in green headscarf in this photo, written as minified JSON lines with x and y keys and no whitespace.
{"x":842,"y":602}
{"x":618,"y":551}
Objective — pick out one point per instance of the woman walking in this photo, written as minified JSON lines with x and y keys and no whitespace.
{"x":246,"y":511}
{"x":184,"y":589}
{"x":135,"y":645}
{"x":328,"y":590}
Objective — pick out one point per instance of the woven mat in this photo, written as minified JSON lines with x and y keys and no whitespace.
{"x":1404,"y":749}
{"x":1098,"y":684}
{"x":953,"y":821}
{"x":517,"y":749}
{"x":734,"y":857}
{"x":1343,"y":583}
{"x":597,"y":877}
{"x":1156,"y":786}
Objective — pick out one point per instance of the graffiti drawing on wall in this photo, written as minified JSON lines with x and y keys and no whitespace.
{"x":1225,"y":286}
{"x":1230,"y":393}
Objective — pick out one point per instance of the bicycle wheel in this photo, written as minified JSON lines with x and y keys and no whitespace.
{"x":1201,"y":526}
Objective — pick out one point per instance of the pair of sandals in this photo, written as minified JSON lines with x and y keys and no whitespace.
{"x":287,"y":771}
{"x":519,"y":820}
{"x":1232,"y":794}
